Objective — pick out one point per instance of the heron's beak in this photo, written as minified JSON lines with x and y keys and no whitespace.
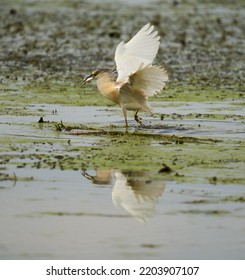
{"x":89,"y":78}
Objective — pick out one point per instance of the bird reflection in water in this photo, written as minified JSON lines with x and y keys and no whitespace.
{"x":135,"y":191}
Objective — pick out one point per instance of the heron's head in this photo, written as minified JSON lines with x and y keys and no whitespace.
{"x":95,"y":74}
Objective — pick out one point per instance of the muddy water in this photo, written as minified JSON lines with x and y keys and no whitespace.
{"x":77,"y":185}
{"x":53,"y":205}
{"x":65,"y":215}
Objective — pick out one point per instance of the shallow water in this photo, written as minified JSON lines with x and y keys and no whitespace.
{"x":78,"y":185}
{"x":112,"y":213}
{"x":64,"y":215}
{"x":185,"y":118}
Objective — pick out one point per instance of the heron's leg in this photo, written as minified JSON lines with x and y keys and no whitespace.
{"x":137,"y":118}
{"x":125,"y":116}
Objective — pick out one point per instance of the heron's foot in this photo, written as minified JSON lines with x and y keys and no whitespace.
{"x":138,"y":119}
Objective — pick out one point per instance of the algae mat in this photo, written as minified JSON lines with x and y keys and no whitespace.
{"x":74,"y":183}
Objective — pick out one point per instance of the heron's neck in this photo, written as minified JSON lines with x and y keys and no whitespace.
{"x":107,"y":87}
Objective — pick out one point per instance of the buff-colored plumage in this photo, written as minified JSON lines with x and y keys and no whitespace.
{"x":137,"y":77}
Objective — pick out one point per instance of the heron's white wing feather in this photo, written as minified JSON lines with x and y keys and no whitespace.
{"x":150,"y":79}
{"x":140,"y":51}
{"x":133,"y":99}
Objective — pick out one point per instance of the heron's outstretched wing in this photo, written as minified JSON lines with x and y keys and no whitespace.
{"x":140,"y":51}
{"x":150,"y":79}
{"x":143,"y":83}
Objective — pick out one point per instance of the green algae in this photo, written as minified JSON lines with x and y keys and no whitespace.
{"x":176,"y":91}
{"x":202,"y":52}
{"x":51,"y":93}
{"x":81,"y":214}
{"x":192,"y":158}
{"x":74,"y":93}
{"x":49,"y":69}
{"x":197,"y":155}
{"x":208,"y":212}
{"x":228,"y":199}
{"x":189,"y":161}
{"x":200,"y":116}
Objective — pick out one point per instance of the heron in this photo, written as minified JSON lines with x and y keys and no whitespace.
{"x":137,"y":77}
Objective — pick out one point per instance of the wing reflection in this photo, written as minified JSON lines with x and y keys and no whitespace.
{"x":135,"y":191}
